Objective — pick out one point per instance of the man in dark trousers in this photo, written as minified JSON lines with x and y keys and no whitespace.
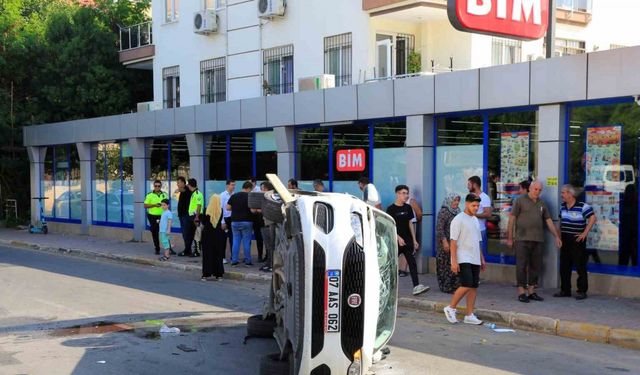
{"x":402,"y":213}
{"x":184,"y":197}
{"x":152,"y":202}
{"x":529,"y":215}
{"x":576,"y":220}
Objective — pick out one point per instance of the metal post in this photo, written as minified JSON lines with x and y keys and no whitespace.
{"x":139,"y":30}
{"x":550,"y":38}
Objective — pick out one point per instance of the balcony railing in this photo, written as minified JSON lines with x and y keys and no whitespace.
{"x":135,"y":36}
{"x":575,"y":5}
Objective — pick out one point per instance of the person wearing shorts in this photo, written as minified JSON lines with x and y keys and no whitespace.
{"x":466,"y":259}
{"x":165,"y":228}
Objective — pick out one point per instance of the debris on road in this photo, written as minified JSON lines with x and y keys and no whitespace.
{"x":186,"y":349}
{"x":165,"y":329}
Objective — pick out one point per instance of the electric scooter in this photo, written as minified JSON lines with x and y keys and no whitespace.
{"x":40,"y":226}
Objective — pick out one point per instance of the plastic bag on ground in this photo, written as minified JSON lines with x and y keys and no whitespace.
{"x":165,"y":329}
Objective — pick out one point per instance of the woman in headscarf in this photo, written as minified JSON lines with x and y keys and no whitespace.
{"x":447,"y":280}
{"x":213,"y":240}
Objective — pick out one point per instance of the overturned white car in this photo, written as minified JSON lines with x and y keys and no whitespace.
{"x":333,"y":296}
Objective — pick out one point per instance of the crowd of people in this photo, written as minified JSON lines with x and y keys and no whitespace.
{"x":460,"y":237}
{"x":460,"y":234}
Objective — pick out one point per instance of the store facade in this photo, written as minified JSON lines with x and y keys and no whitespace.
{"x":566,"y":120}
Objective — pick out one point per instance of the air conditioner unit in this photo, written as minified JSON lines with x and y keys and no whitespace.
{"x":323,"y":81}
{"x":149,"y":106}
{"x":205,"y":22}
{"x":271,"y":8}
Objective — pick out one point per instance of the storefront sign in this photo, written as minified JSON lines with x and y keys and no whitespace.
{"x":350,"y":160}
{"x":602,"y":185}
{"x":519,"y":19}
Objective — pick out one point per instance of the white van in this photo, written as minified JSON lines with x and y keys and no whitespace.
{"x":616,"y":178}
{"x":333,"y":295}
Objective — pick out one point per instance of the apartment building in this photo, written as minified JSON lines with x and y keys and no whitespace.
{"x":238,"y":54}
{"x":231,"y":102}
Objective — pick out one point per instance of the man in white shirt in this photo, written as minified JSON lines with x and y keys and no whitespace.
{"x":226,"y":214}
{"x":369,"y":193}
{"x":474,"y":184}
{"x":466,"y":259}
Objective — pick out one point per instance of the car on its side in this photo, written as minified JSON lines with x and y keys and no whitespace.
{"x":333,"y":295}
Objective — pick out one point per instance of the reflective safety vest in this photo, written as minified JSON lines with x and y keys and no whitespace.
{"x":196,"y":199}
{"x":153,"y":198}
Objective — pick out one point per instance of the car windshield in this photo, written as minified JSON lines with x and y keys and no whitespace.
{"x":388,"y":263}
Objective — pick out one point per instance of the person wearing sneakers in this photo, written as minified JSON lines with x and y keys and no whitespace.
{"x":165,"y":228}
{"x":528,"y":215}
{"x":466,"y":259}
{"x":402,"y":213}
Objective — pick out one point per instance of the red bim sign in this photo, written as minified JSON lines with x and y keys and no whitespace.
{"x":519,"y":19}
{"x":350,"y":160}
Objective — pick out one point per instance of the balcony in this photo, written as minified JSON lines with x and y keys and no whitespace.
{"x":380,"y":7}
{"x":136,"y":46}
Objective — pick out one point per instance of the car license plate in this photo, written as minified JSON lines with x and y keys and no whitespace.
{"x":332,"y":306}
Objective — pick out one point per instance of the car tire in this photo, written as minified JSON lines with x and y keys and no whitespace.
{"x":259,"y":327}
{"x":272,"y":209}
{"x":271,"y":364}
{"x":255,"y":200}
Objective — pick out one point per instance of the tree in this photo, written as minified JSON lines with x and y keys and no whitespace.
{"x":59,"y":62}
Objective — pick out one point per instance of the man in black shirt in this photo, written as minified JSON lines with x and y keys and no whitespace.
{"x":241,"y":224}
{"x":402,"y":213}
{"x":184,"y":197}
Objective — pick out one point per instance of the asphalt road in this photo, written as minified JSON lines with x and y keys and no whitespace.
{"x":65,"y":315}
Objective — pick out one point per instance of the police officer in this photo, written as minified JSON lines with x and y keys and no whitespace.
{"x":196,"y":204}
{"x":152,"y":202}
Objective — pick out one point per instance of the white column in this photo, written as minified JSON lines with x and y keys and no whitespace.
{"x":552,"y":144}
{"x":36,"y":169}
{"x":138,"y":151}
{"x":285,"y":136}
{"x":87,"y":160}
{"x":420,"y":176}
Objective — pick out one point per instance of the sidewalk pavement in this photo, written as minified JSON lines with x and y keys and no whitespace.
{"x":599,"y":318}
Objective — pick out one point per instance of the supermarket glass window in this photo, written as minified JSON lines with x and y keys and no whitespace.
{"x":513,"y":140}
{"x":459,"y":154}
{"x":112,"y":185}
{"x":216,"y":168}
{"x":389,"y":158}
{"x":266,"y":154}
{"x":603,"y":162}
{"x":168,"y":159}
{"x":61,"y":183}
{"x":312,"y":156}
{"x":241,"y":157}
{"x":350,"y":138}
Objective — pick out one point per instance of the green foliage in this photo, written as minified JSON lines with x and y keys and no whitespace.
{"x":414,"y":63}
{"x":58,"y":62}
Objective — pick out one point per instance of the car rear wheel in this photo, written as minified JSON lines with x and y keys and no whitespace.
{"x":271,"y":364}
{"x":255,"y":199}
{"x":272,"y":209}
{"x":259,"y":327}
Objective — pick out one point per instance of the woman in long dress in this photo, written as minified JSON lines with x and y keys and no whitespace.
{"x":447,"y":280}
{"x":213,"y":240}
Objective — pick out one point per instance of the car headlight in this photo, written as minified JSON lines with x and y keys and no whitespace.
{"x":356,"y":225}
{"x":356,"y":365}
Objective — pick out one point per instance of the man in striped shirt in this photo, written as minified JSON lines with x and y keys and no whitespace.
{"x":576,"y":220}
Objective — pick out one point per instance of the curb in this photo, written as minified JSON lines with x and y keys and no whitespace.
{"x":625,"y":338}
{"x":231,"y":275}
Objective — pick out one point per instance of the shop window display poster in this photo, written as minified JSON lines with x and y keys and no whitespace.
{"x":514,"y":168}
{"x":602,"y":156}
